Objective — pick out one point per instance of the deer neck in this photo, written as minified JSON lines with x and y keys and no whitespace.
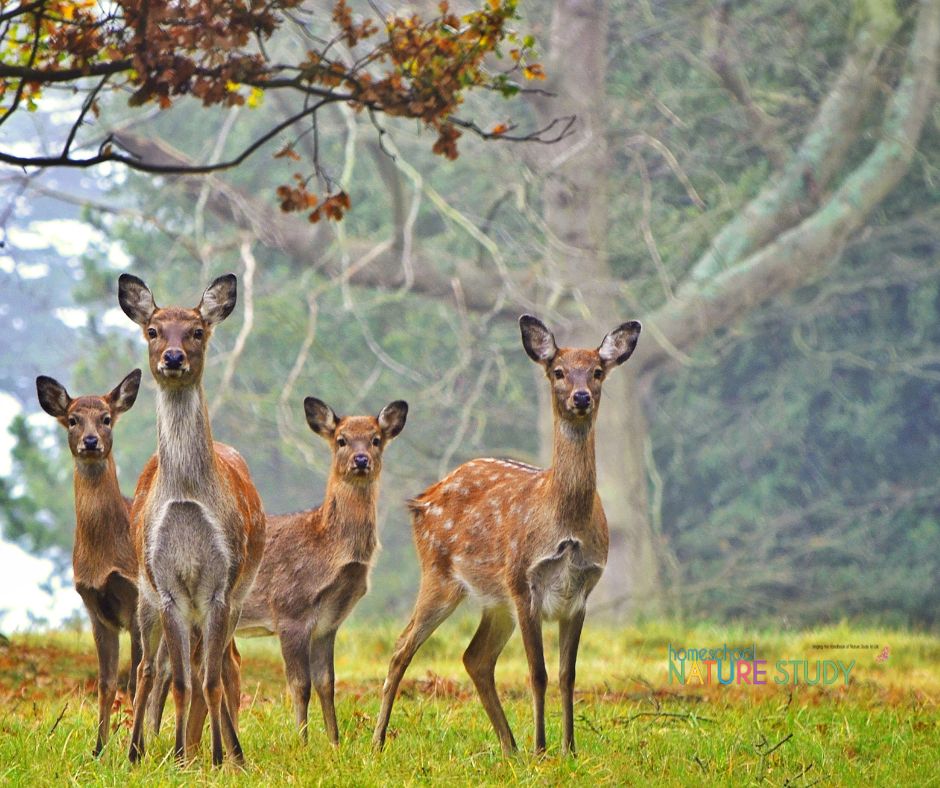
{"x":349,"y":516}
{"x":573,"y":476}
{"x":184,"y":441}
{"x":102,"y":525}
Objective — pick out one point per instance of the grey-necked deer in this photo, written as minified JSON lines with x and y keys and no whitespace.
{"x":198,"y":520}
{"x":316,"y":563}
{"x":104,"y":563}
{"x":530,"y":544}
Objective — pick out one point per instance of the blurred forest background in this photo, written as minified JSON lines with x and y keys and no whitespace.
{"x":756,"y":181}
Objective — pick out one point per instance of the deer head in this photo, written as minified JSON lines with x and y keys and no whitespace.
{"x":357,"y":442}
{"x":177,"y":337}
{"x":576,"y":375}
{"x":88,"y":420}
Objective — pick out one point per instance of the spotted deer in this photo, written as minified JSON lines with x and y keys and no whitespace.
{"x":528,"y":543}
{"x":316,"y":563}
{"x":104,"y":563}
{"x":198,"y":520}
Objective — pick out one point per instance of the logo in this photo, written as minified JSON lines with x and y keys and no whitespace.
{"x":728,"y":665}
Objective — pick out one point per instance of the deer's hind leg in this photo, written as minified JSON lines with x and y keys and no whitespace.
{"x":480,"y":661}
{"x":437,"y":599}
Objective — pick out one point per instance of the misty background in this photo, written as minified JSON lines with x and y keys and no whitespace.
{"x":757,"y":182}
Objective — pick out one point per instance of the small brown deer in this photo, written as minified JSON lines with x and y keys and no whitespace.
{"x":316,"y":563}
{"x":530,"y":544}
{"x":104,"y":563}
{"x":198,"y":520}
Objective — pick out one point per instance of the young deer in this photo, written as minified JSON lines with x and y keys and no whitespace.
{"x":198,"y":520}
{"x":316,"y":563}
{"x":104,"y":563}
{"x":529,"y":543}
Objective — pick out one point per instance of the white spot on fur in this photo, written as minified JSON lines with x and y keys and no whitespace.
{"x":448,"y":524}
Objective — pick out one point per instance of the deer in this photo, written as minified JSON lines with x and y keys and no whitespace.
{"x":198,"y":520}
{"x":104,"y":562}
{"x":529,"y":543}
{"x":316,"y":562}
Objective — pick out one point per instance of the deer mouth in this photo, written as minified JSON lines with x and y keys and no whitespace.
{"x":172,"y":372}
{"x":90,"y":453}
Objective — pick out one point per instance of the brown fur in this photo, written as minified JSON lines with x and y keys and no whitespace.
{"x":316,"y":563}
{"x":104,"y":563}
{"x":199,"y":526}
{"x":529,"y":544}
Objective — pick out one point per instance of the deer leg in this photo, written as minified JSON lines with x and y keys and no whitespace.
{"x":197,"y":705}
{"x":162,"y":680}
{"x":107,"y":646}
{"x":176,"y":636}
{"x":435,"y":603}
{"x":149,"y":622}
{"x":136,"y":651}
{"x":324,"y":678}
{"x":480,"y":661}
{"x":569,"y":636}
{"x":530,"y":626}
{"x":232,"y":684}
{"x":295,"y":648}
{"x":218,"y":635}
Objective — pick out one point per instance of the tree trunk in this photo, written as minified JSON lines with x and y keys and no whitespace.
{"x":575,"y":174}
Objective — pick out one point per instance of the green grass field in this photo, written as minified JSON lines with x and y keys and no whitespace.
{"x":633,"y":726}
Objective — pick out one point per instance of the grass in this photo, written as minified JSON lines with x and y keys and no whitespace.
{"x":633,"y":726}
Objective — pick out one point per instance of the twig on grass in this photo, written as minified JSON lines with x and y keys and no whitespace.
{"x":777,"y":746}
{"x":798,"y":775}
{"x":58,"y":719}
{"x":679,"y":715}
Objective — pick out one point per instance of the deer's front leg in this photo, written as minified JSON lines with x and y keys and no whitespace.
{"x":569,"y":636}
{"x":218,"y":633}
{"x":324,"y":677}
{"x":107,"y":646}
{"x":136,"y":652}
{"x":176,"y":636}
{"x":530,"y":626}
{"x":295,"y":649}
{"x":149,"y":621}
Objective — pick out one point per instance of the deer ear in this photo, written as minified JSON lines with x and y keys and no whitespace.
{"x":619,"y":344}
{"x":219,"y":299}
{"x":53,"y":398}
{"x":320,"y":417}
{"x":135,"y":299}
{"x":124,"y":395}
{"x":537,"y":340}
{"x":392,"y":418}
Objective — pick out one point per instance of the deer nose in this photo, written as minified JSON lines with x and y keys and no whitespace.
{"x":361,"y":461}
{"x":582,"y":398}
{"x":91,"y":442}
{"x":173,"y":358}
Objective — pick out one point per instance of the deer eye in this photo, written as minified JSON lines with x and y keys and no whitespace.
{"x":106,"y":421}
{"x":559,"y":374}
{"x":376,"y":441}
{"x":197,"y":334}
{"x":598,"y":373}
{"x":340,"y":442}
{"x":72,"y":421}
{"x":152,"y":333}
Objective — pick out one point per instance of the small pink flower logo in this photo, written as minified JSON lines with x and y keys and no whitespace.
{"x":883,"y":656}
